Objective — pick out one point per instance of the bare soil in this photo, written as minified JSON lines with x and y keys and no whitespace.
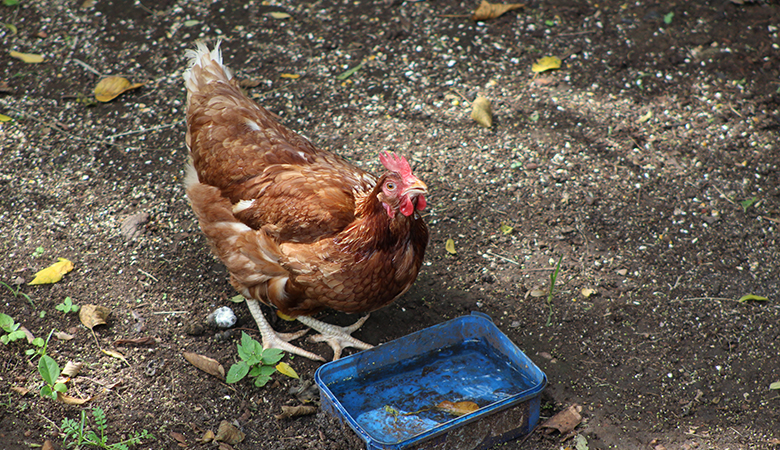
{"x":648,"y":162}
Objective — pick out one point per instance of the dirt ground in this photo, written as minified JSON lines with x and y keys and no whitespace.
{"x":648,"y":162}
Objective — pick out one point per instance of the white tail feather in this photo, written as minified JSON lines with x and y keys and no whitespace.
{"x":205,"y":66}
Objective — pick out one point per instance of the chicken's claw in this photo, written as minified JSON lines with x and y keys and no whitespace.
{"x":337,"y":337}
{"x":273,"y":339}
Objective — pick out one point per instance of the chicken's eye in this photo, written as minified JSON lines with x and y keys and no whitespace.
{"x":390,"y":186}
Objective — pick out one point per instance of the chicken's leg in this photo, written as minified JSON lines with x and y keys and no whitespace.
{"x":337,"y":337}
{"x":273,"y":339}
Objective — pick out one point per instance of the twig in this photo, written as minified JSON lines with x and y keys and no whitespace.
{"x":502,"y":257}
{"x":51,"y":422}
{"x":87,"y":66}
{"x":170,"y":312}
{"x":577,"y":33}
{"x":724,"y":195}
{"x":705,"y":298}
{"x":146,"y":130}
{"x":148,"y":275}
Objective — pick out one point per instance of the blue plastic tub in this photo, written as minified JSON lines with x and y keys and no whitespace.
{"x":389,"y":394}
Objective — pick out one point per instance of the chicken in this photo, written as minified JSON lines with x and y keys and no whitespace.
{"x":299,"y":228}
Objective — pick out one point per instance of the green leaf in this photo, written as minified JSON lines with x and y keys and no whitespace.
{"x":350,"y":72}
{"x":272,"y":356}
{"x":775,"y":385}
{"x":60,"y":387}
{"x":10,"y":2}
{"x":16,"y":335}
{"x":48,"y":369}
{"x":506,"y":229}
{"x":262,"y":381}
{"x":38,"y":342}
{"x":747,"y":203}
{"x":7,"y":323}
{"x":751,"y":297}
{"x":668,"y":18}
{"x":191,"y":23}
{"x":237,"y":298}
{"x":237,"y":372}
{"x":46,"y":391}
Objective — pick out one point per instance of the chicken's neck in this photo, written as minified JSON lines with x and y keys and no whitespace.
{"x":375,"y":228}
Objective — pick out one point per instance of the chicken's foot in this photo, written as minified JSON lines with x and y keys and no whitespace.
{"x":337,"y":337}
{"x":274,"y":339}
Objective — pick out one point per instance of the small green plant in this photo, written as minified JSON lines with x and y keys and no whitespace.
{"x":11,"y":2}
{"x":17,"y":292}
{"x":38,"y":252}
{"x":553,"y":277}
{"x":255,"y":362}
{"x":11,"y":328}
{"x":50,"y":371}
{"x":67,"y":306}
{"x":747,"y":203}
{"x":39,"y":347}
{"x":80,"y":435}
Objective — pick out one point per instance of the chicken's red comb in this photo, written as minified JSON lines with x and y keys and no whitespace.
{"x":396,"y":163}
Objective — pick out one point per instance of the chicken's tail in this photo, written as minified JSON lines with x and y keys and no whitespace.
{"x":205,"y":66}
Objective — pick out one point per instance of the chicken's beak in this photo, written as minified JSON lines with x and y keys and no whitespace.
{"x":416,"y":193}
{"x":415,"y":189}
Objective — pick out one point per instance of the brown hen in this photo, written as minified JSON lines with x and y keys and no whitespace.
{"x":298,"y":228}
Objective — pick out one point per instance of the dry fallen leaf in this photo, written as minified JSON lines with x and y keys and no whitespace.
{"x":481,"y":111}
{"x":208,"y":436}
{"x":93,"y":315}
{"x":566,"y":420}
{"x":53,"y":273}
{"x":290,"y":76}
{"x":4,"y":118}
{"x":487,"y":11}
{"x":71,"y":369}
{"x":70,"y":400}
{"x":110,"y":88}
{"x":546,"y":63}
{"x":20,"y":390}
{"x":206,"y":364}
{"x":296,"y":411}
{"x":63,"y":336}
{"x":279,"y":15}
{"x":457,"y":408}
{"x":229,"y":434}
{"x":47,"y":445}
{"x":29,"y":58}
{"x":179,"y":437}
{"x":587,"y":292}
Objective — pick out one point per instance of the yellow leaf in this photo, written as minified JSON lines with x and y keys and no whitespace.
{"x":457,"y":408}
{"x":506,"y":229}
{"x":279,"y":15}
{"x":487,"y":10}
{"x":110,"y":88}
{"x":481,"y":111}
{"x":4,"y":118}
{"x":292,"y":76}
{"x":546,"y":63}
{"x":53,"y":273}
{"x":30,"y":58}
{"x":285,"y":369}
{"x":450,"y":247}
{"x":115,"y":354}
{"x":752,"y":297}
{"x":587,"y":292}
